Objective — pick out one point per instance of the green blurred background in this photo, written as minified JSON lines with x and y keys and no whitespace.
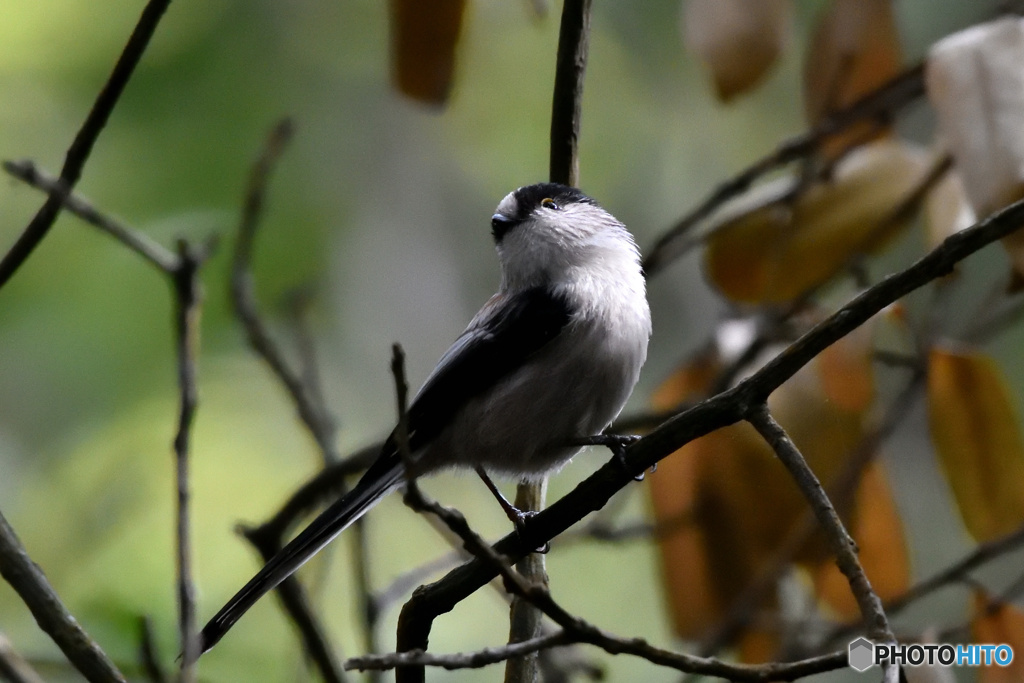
{"x":381,"y":206}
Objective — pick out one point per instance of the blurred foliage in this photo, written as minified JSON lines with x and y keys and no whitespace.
{"x":381,"y":206}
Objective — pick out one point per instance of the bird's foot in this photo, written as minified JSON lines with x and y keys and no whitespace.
{"x":617,"y":444}
{"x":515,"y":515}
{"x":518,"y":518}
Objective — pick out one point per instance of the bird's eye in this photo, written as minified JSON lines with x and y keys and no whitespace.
{"x":549,"y":203}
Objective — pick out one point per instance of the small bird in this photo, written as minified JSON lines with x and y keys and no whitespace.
{"x":542,"y":368}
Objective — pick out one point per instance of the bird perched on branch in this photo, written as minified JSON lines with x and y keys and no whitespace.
{"x":542,"y":368}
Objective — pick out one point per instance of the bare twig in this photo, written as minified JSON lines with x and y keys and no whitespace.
{"x":842,"y":545}
{"x":27,"y":579}
{"x":188,"y":307}
{"x":137,"y":241}
{"x":718,"y":411}
{"x":469,"y":660}
{"x":268,"y":538}
{"x":81,"y":147}
{"x":243,"y":296}
{"x":13,"y":667}
{"x":788,"y":671}
{"x":897,"y":93}
{"x":840,"y":492}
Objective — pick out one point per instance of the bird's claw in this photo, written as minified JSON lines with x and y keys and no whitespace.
{"x":617,"y":444}
{"x":519,"y":518}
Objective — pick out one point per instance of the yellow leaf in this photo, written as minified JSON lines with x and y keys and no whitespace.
{"x":854,"y":49}
{"x":998,"y":625}
{"x":878,"y":531}
{"x":738,"y":40}
{"x":977,"y":437}
{"x":775,"y":253}
{"x":424,"y":35}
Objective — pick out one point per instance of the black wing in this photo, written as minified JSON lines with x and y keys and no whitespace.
{"x":504,"y":334}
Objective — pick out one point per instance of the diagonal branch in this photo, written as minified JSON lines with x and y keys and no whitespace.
{"x":842,"y":544}
{"x":81,"y":147}
{"x":27,"y":579}
{"x":135,"y":240}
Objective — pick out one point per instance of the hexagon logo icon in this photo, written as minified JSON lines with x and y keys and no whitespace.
{"x":861,"y":655}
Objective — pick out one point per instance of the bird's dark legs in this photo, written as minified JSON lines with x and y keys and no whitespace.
{"x":515,"y":515}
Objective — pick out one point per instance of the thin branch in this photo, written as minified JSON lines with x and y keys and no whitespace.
{"x":840,"y":492}
{"x":721,"y":410}
{"x":787,"y":671}
{"x":27,"y":579}
{"x":469,"y":660}
{"x":269,"y":537}
{"x":894,"y":95}
{"x":957,"y":572}
{"x":13,"y":667}
{"x":842,"y":545}
{"x":27,"y":172}
{"x":81,"y":147}
{"x":188,"y":308}
{"x":243,"y":296}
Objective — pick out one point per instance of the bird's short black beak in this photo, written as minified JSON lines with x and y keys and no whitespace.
{"x":500,"y":225}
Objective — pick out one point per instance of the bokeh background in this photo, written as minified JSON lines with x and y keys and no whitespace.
{"x":381,"y":206}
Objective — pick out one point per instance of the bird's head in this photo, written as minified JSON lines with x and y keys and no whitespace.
{"x":547,"y":232}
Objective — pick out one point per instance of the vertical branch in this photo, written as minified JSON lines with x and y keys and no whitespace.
{"x":525,"y":620}
{"x":566,"y":107}
{"x":188,"y":299}
{"x":81,"y":147}
{"x":27,"y":579}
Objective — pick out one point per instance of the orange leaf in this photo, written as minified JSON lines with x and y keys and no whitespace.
{"x":878,"y":531}
{"x":424,"y":34}
{"x":854,"y":49}
{"x":977,"y":437}
{"x":847,"y":371}
{"x":737,"y":502}
{"x":777,"y":252}
{"x":998,"y":625}
{"x":738,"y":40}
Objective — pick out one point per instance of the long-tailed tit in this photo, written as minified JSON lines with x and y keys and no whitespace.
{"x":546,"y":363}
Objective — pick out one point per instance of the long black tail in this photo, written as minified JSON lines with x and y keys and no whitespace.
{"x":381,"y":479}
